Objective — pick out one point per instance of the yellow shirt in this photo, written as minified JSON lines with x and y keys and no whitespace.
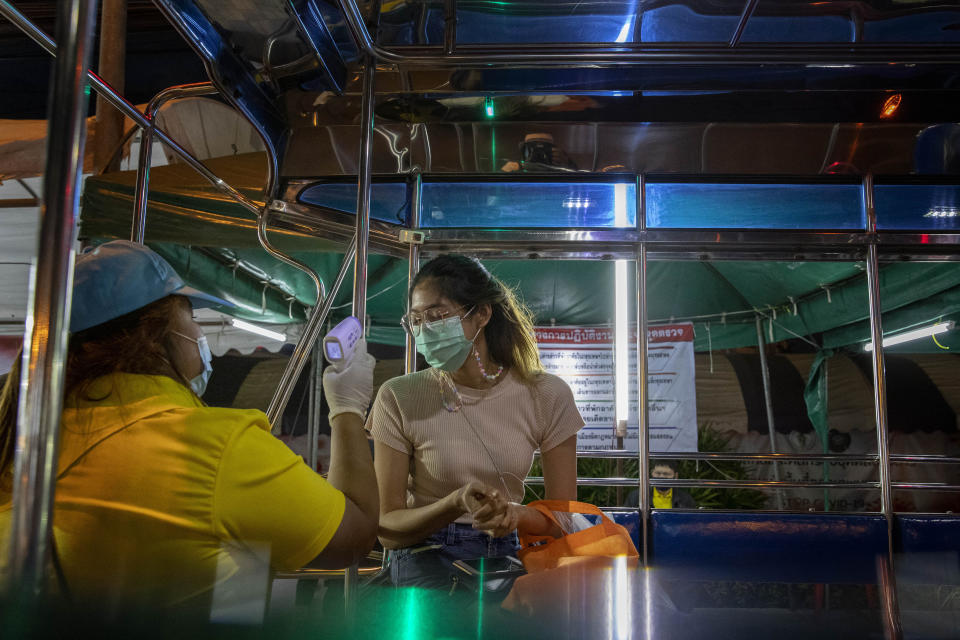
{"x":161,"y":500}
{"x":663,"y":499}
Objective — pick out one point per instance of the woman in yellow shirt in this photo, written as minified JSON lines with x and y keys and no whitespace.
{"x":162,"y":501}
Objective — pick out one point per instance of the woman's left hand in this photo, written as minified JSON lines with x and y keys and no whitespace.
{"x":499,"y":521}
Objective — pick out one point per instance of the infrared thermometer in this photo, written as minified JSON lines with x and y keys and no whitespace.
{"x":340,"y":344}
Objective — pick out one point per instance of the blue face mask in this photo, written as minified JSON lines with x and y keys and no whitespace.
{"x":199,"y":383}
{"x":443,"y":344}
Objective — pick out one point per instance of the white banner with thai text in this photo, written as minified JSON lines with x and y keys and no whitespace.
{"x":584,"y":358}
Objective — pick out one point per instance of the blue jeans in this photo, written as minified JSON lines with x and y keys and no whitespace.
{"x":429,"y":564}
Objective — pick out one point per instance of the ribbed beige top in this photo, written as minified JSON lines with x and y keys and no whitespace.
{"x":513,"y":419}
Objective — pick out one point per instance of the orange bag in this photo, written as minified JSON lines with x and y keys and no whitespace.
{"x":605,"y":539}
{"x":569,"y":578}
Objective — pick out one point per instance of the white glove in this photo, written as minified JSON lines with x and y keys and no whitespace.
{"x":349,"y":389}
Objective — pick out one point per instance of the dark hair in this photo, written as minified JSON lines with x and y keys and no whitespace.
{"x":137,"y":342}
{"x":509,"y":334}
{"x":671,"y":464}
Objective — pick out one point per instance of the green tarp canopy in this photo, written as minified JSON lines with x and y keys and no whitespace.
{"x":203,"y":233}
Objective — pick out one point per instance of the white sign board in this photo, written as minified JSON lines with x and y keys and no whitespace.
{"x":584,"y":358}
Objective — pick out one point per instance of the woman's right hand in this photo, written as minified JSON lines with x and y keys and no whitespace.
{"x":349,"y":388}
{"x":476,"y":496}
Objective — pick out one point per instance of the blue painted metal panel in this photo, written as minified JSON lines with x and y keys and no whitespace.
{"x":917,"y":207}
{"x":314,"y":28}
{"x":477,"y":27}
{"x":630,"y":521}
{"x":680,"y":23}
{"x":768,"y":547}
{"x":389,"y":202}
{"x":531,"y":204}
{"x":921,"y":533}
{"x":928,"y":549}
{"x":231,"y":75}
{"x":938,"y":25}
{"x":613,"y":22}
{"x":339,"y":31}
{"x":754,"y":206}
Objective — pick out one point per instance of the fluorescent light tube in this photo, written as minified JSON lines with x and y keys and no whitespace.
{"x":621,"y":329}
{"x":923,"y":332}
{"x":252,"y":328}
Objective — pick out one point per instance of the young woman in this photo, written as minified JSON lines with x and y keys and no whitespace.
{"x":162,"y":501}
{"x":454,"y":442}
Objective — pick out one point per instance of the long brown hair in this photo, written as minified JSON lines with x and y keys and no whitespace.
{"x":509,"y":334}
{"x":138,"y":342}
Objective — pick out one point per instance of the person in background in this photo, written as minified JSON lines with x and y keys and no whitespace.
{"x":454,"y":442}
{"x":664,"y":497}
{"x":163,"y":503}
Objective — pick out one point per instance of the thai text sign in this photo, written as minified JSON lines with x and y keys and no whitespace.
{"x":584,"y":358}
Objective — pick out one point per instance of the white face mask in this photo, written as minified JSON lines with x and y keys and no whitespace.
{"x":199,"y":383}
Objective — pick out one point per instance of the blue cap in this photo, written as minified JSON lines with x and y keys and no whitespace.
{"x":122,"y":276}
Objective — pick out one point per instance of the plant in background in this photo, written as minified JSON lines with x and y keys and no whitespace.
{"x":712,"y":441}
{"x":709,"y":440}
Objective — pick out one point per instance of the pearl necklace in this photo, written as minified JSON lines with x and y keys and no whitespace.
{"x":489,"y":377}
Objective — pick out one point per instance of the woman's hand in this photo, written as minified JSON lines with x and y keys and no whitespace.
{"x":504,"y":519}
{"x":473,"y":496}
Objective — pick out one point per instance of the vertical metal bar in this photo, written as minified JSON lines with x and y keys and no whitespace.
{"x":768,"y":404}
{"x":351,"y":575}
{"x":888,"y":582}
{"x":643,"y":431}
{"x":316,"y":393}
{"x":410,"y":354}
{"x":138,"y":228}
{"x":51,"y":280}
{"x":311,"y":333}
{"x":363,"y":193}
{"x":449,"y":26}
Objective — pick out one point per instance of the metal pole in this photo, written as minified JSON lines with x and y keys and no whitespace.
{"x":410,"y":354}
{"x":311,"y":334}
{"x":138,"y":228}
{"x":351,"y":575}
{"x":643,"y":430}
{"x":449,"y":26}
{"x":364,"y":185}
{"x":891,"y":609}
{"x":51,"y":280}
{"x":316,"y":391}
{"x":768,"y":403}
{"x":21,"y":22}
{"x":112,"y":65}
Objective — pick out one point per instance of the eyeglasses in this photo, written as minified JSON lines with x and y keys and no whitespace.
{"x":413,"y":320}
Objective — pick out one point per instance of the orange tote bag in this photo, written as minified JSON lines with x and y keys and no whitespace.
{"x":607,"y":538}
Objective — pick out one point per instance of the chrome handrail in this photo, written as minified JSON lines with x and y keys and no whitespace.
{"x":138,"y":228}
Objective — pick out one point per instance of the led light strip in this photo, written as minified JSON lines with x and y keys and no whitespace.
{"x":252,"y":328}
{"x":923,"y":332}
